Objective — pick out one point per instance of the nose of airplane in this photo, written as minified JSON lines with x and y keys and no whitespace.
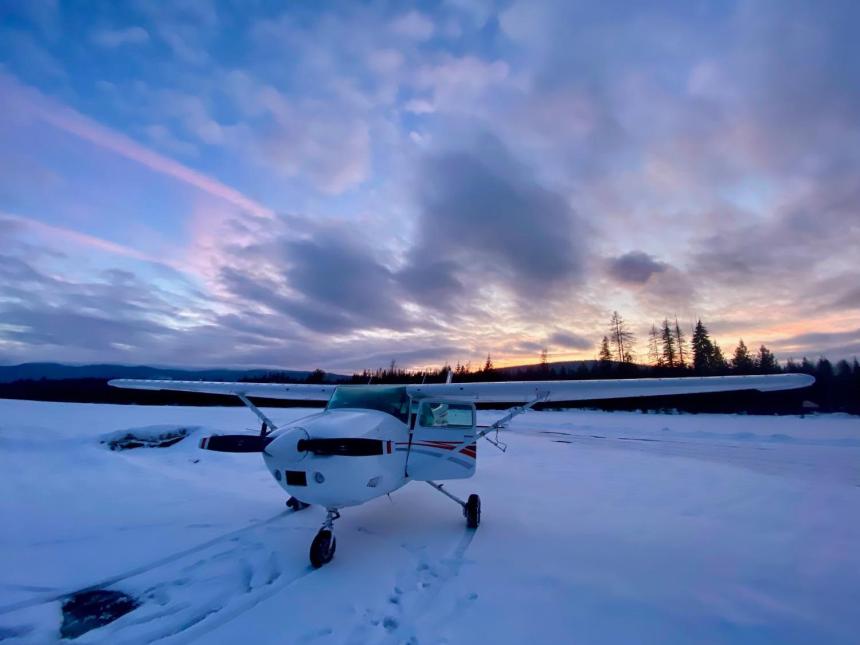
{"x":285,"y":449}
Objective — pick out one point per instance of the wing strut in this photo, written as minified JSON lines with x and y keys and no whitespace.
{"x":262,"y":417}
{"x":501,"y":423}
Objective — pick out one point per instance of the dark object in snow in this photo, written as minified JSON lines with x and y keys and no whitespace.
{"x":147,"y":437}
{"x":88,"y":610}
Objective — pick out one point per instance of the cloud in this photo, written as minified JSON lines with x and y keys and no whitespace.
{"x":113,"y":38}
{"x":109,"y":317}
{"x":75,"y":123}
{"x":832,"y":344}
{"x":322,"y":141}
{"x":569,"y":340}
{"x":413,"y":24}
{"x":322,"y":280}
{"x":849,"y":299}
{"x":485,"y":220}
{"x":65,"y":236}
{"x":635,"y":267}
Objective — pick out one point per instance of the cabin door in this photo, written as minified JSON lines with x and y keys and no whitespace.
{"x":442,"y":441}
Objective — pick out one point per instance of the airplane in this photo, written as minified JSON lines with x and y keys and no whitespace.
{"x":371,"y":440}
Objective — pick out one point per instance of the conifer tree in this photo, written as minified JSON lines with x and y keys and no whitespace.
{"x":742,"y":362}
{"x":765,"y":361}
{"x":719,"y":364}
{"x":605,"y":355}
{"x":668,"y":349}
{"x":488,"y":365}
{"x":703,"y":350}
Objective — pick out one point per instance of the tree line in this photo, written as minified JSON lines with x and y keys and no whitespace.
{"x":669,"y":353}
{"x":669,"y":350}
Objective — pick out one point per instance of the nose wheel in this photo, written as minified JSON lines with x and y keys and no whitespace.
{"x":296,"y":504}
{"x":324,"y":544}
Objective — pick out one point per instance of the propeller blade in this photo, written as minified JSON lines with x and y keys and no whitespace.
{"x":235,"y":443}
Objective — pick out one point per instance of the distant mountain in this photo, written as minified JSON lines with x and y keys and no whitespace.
{"x":57,"y":371}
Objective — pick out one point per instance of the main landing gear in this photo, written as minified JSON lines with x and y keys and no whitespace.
{"x":324,"y":544}
{"x":471,"y":507}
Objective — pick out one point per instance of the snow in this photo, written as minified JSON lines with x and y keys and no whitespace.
{"x":597,"y":527}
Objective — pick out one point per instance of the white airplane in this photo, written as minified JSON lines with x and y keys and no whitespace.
{"x":371,"y":440}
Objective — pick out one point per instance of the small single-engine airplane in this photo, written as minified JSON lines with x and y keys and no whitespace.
{"x":372,"y":439}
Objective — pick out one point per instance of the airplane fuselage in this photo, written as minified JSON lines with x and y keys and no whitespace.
{"x":347,"y":456}
{"x":340,"y":480}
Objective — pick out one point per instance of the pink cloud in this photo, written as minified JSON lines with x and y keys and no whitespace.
{"x":35,"y":104}
{"x":66,"y":235}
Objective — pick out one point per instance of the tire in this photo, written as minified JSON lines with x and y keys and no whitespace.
{"x":296,"y":504}
{"x":473,"y":511}
{"x":322,"y":548}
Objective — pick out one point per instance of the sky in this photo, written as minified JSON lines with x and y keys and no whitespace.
{"x":339,"y":185}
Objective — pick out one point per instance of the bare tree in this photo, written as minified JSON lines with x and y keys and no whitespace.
{"x":622,"y":338}
{"x":655,"y":356}
{"x":679,"y":344}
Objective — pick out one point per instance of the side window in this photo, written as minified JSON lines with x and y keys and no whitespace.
{"x":445,"y":415}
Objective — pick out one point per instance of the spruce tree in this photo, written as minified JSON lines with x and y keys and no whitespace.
{"x":765,"y":361}
{"x":669,"y":354}
{"x":703,"y":350}
{"x":488,"y":365}
{"x":719,"y":365}
{"x":605,"y":355}
{"x":742,"y":362}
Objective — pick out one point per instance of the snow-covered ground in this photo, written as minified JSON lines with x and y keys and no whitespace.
{"x":597,"y":528}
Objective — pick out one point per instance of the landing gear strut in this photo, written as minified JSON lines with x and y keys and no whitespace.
{"x":324,"y":544}
{"x":471,"y":507}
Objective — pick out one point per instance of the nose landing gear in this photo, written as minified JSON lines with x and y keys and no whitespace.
{"x":324,"y":544}
{"x":296,"y":504}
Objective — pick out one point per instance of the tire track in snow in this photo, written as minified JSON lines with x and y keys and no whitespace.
{"x":206,"y":593}
{"x":112,"y":580}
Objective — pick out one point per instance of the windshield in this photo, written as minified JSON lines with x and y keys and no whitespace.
{"x":391,"y":400}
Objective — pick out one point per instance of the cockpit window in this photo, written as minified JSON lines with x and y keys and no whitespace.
{"x":391,"y":400}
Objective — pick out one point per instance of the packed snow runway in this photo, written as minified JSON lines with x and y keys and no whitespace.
{"x":597,"y":528}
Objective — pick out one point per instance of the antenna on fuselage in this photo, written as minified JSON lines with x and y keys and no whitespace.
{"x":450,"y":376}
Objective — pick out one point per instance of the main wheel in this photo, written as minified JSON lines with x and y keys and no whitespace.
{"x":322,"y":548}
{"x":473,"y":511}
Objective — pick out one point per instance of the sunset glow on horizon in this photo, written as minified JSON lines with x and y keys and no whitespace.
{"x":340,"y":185}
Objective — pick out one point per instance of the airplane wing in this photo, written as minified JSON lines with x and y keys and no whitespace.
{"x":526,"y":391}
{"x":501,"y":392}
{"x":296,"y":392}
